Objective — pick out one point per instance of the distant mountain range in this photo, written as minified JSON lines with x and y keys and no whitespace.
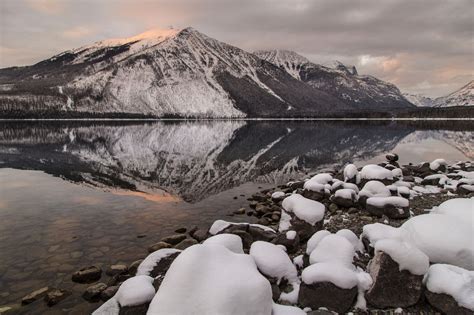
{"x":462,"y":97}
{"x":363,"y":93}
{"x":186,"y":73}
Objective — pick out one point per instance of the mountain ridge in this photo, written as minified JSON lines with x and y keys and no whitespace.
{"x":182,"y":73}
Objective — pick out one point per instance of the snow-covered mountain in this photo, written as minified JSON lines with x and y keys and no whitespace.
{"x":360,"y":92}
{"x":419,"y":100}
{"x":462,"y":97}
{"x":171,"y":72}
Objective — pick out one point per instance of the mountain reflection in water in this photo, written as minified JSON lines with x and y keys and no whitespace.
{"x":194,"y":160}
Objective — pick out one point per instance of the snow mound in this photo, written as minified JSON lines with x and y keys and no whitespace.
{"x":373,"y":171}
{"x":153,"y":259}
{"x":305,"y":209}
{"x":333,"y":248}
{"x":346,"y":193}
{"x":461,"y":208}
{"x":406,"y":255}
{"x":272,"y":261}
{"x":381,"y":202}
{"x":278,"y":195}
{"x":230,"y":241}
{"x":111,"y":307}
{"x":444,"y":238}
{"x":315,"y":239}
{"x":285,"y":223}
{"x":454,"y":281}
{"x":279,"y":309}
{"x":318,"y":182}
{"x":210,"y":279}
{"x":436,"y":164}
{"x":220,"y":225}
{"x":352,"y":238}
{"x":135,"y":291}
{"x":374,"y":188}
{"x":378,"y":231}
{"x":350,"y":172}
{"x":290,"y":235}
{"x":334,"y":272}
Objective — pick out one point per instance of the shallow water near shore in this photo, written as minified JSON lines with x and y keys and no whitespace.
{"x":73,"y":194}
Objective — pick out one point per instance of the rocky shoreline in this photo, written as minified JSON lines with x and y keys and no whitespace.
{"x":316,"y":244}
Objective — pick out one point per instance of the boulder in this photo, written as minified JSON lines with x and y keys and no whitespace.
{"x":199,"y":235}
{"x":54,"y":296}
{"x":181,"y":230}
{"x":392,"y":287}
{"x":304,"y":229}
{"x":158,"y":246}
{"x":174,"y":239}
{"x":186,"y":243}
{"x":326,"y":294}
{"x":92,"y":293}
{"x":33,"y":296}
{"x":132,"y":269}
{"x":109,"y":292}
{"x":392,"y":207}
{"x":446,"y":304}
{"x":313,"y":195}
{"x":87,"y":275}
{"x":292,"y":244}
{"x":134,"y":310}
{"x":118,"y":269}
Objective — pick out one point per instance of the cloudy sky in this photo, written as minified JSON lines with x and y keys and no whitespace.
{"x":423,"y":46}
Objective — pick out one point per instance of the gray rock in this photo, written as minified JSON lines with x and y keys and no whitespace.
{"x":186,"y":243}
{"x":199,"y":235}
{"x":314,"y":195}
{"x":132,"y":269}
{"x":332,"y":207}
{"x":391,"y":211}
{"x":134,"y":310}
{"x":174,"y":239}
{"x":158,"y":246}
{"x":92,"y":293}
{"x":292,"y":246}
{"x":392,"y":287}
{"x":240,"y":211}
{"x":116,"y":270}
{"x":446,"y":304}
{"x":304,"y":229}
{"x":326,"y":294}
{"x":87,"y":275}
{"x":181,"y":230}
{"x":343,"y":202}
{"x":109,"y":293}
{"x":33,"y":296}
{"x":54,"y":296}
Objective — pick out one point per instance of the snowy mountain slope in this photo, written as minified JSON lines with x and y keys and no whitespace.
{"x":419,"y":100}
{"x":359,"y":92}
{"x":462,"y":97}
{"x":184,"y":73}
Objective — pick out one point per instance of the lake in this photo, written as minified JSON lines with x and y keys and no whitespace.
{"x":73,"y":194}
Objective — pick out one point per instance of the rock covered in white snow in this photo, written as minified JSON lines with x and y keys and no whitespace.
{"x":210,"y":279}
{"x":305,"y":209}
{"x":373,"y":171}
{"x":273,"y":261}
{"x":231,"y":241}
{"x":450,"y":289}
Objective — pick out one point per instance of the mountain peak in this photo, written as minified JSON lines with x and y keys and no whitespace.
{"x":286,"y":59}
{"x":349,"y":69}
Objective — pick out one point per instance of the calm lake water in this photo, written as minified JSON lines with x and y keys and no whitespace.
{"x":74,"y":194}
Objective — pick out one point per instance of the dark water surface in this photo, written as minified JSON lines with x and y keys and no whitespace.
{"x":74,"y":194}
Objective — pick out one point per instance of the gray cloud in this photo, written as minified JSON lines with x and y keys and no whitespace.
{"x":421,"y":45}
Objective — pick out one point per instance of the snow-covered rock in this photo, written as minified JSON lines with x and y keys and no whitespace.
{"x":455,"y":282}
{"x":148,"y":264}
{"x":273,"y":262}
{"x":351,"y":174}
{"x":373,"y":172}
{"x":303,"y":208}
{"x":135,"y":291}
{"x":333,"y":248}
{"x":210,"y":279}
{"x":393,"y":207}
{"x":231,"y":241}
